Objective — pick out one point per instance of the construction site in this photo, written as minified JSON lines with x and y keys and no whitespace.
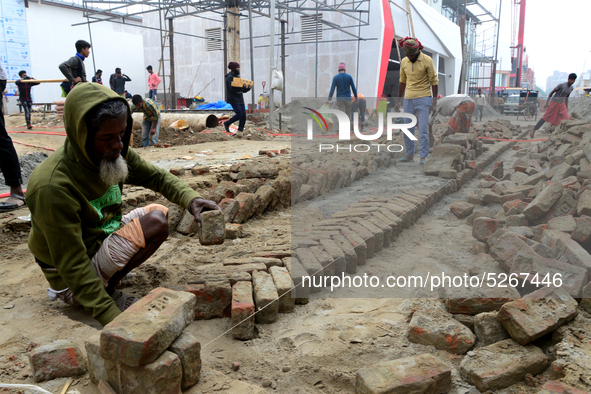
{"x":327,"y":258}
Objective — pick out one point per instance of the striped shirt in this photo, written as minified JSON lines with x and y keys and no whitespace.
{"x":150,"y":110}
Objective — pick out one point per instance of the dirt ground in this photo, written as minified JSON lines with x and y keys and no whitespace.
{"x":316,"y":349}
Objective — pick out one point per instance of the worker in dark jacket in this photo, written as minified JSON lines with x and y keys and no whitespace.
{"x":24,"y":95}
{"x":73,"y":68}
{"x":235,"y":99}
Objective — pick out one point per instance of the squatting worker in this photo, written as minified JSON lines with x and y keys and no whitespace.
{"x":558,"y":108}
{"x":151,"y":122}
{"x":344,"y":84}
{"x":480,"y":101}
{"x":460,"y":107}
{"x":419,"y":86}
{"x":234,"y":97}
{"x":79,"y":238}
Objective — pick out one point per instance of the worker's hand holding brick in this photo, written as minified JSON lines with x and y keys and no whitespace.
{"x":198,"y":205}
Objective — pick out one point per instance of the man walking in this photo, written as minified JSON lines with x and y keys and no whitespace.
{"x":24,"y":94}
{"x":119,"y":82}
{"x":234,"y":97}
{"x":153,"y":82}
{"x":73,"y":68}
{"x":557,"y":111}
{"x":480,"y":100}
{"x":419,"y":86}
{"x":98,"y":77}
{"x":151,"y":122}
{"x":344,"y":84}
{"x":9,"y":164}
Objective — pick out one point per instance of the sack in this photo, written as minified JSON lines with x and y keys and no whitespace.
{"x":277,"y":82}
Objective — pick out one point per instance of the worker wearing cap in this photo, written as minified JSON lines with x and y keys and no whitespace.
{"x":344,"y":84}
{"x":419,"y":85}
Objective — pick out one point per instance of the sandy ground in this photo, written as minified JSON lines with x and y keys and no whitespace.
{"x":316,"y":349}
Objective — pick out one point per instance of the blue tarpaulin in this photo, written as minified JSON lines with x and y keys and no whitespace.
{"x":221,"y":104}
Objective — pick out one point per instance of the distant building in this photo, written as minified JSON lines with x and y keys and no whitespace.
{"x":555,"y":79}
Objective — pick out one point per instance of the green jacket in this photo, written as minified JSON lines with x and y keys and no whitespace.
{"x":73,"y":211}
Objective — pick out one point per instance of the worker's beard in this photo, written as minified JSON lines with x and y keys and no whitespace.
{"x":113,"y":171}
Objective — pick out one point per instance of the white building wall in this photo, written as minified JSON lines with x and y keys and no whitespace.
{"x":52,"y":38}
{"x":194,"y":63}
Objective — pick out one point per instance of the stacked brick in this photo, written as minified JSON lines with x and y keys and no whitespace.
{"x":146,"y":349}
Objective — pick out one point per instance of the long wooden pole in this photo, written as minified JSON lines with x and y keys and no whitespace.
{"x":39,"y":80}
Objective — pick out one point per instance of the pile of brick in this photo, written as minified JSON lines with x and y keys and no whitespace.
{"x":497,"y":128}
{"x":535,"y":219}
{"x":146,"y":349}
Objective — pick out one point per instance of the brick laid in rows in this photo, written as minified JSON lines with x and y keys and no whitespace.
{"x":300,"y":292}
{"x":417,"y":374}
{"x":537,"y":314}
{"x":141,"y":333}
{"x":283,"y":283}
{"x":242,"y":315}
{"x":312,"y":266}
{"x":502,"y":364}
{"x":265,"y":297}
{"x":58,"y":359}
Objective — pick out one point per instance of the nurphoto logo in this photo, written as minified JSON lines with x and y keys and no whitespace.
{"x":345,"y":130}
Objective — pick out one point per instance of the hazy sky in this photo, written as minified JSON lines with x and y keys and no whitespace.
{"x":557,"y":35}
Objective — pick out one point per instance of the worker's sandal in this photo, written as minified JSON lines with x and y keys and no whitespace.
{"x":122,"y":300}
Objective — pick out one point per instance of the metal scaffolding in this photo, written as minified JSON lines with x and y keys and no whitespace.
{"x":127,"y":12}
{"x":480,"y":31}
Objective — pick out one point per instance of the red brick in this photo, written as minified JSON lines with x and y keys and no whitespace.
{"x":213,"y":228}
{"x":555,"y":387}
{"x":242,"y":319}
{"x":416,"y":374}
{"x":163,"y":375}
{"x":440,"y":329}
{"x":283,"y":283}
{"x":188,"y":350}
{"x":140,"y":334}
{"x":265,"y":297}
{"x":57,"y":360}
{"x":483,"y":228}
{"x":213,"y":298}
{"x":502,"y":364}
{"x":537,"y":314}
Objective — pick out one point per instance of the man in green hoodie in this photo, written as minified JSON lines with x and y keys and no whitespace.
{"x":79,"y":238}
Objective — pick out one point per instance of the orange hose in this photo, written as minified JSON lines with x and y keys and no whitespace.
{"x":501,"y":139}
{"x":36,"y":132}
{"x":34,"y":146}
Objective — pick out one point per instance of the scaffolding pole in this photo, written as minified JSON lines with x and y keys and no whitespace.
{"x":271,"y":63}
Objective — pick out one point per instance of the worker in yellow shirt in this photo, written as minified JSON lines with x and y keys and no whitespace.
{"x":419,"y":85}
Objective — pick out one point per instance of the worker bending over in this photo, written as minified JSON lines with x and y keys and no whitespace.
{"x":557,"y":111}
{"x":419,"y":86}
{"x":80,"y":240}
{"x":460,"y":107}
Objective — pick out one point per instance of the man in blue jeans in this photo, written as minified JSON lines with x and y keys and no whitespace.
{"x":234,"y":97}
{"x":151,"y":122}
{"x":419,"y":85}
